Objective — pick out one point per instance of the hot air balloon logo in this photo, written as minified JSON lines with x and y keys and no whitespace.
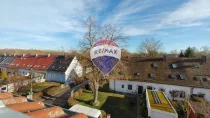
{"x":105,"y":55}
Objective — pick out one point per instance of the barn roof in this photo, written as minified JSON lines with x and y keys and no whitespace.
{"x":37,"y":62}
{"x":185,"y":68}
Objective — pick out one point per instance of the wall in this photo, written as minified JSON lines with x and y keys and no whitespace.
{"x":116,"y":85}
{"x":202,"y":90}
{"x":55,"y":76}
{"x":23,"y":72}
{"x":161,"y":114}
{"x":74,"y":65}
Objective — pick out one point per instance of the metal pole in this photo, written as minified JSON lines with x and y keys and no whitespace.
{"x":31,"y":92}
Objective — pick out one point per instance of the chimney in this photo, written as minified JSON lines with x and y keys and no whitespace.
{"x":36,"y":55}
{"x":48,"y":55}
{"x":24,"y":55}
{"x":5,"y":54}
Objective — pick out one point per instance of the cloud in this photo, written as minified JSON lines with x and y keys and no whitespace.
{"x":189,"y":14}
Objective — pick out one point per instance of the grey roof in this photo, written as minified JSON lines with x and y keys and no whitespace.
{"x":60,"y":64}
{"x":7,"y":61}
{"x":2,"y":57}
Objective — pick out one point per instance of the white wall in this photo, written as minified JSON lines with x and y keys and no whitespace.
{"x":74,"y":65}
{"x":204,"y":91}
{"x":161,"y":114}
{"x":116,"y":85}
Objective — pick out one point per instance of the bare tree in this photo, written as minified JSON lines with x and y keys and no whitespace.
{"x":150,"y":47}
{"x":95,"y":32}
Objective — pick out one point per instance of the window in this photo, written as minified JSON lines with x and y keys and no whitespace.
{"x":122,"y":86}
{"x":182,"y":94}
{"x":181,"y":77}
{"x":196,"y":66}
{"x":137,"y":74}
{"x":129,"y":87}
{"x":149,"y":87}
{"x":154,"y":65}
{"x":172,"y":76}
{"x":151,"y":75}
{"x":162,"y":89}
{"x":174,"y":65}
{"x":204,"y":79}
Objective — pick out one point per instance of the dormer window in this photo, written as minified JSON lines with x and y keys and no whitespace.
{"x":154,"y":65}
{"x":196,"y":66}
{"x":137,"y":74}
{"x":172,"y":76}
{"x":181,"y":77}
{"x":174,"y":66}
{"x":151,"y":75}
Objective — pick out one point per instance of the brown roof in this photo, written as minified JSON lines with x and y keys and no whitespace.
{"x":185,"y":66}
{"x":35,"y":109}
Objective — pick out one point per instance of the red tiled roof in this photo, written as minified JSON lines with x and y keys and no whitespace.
{"x":40,"y":63}
{"x":35,"y":109}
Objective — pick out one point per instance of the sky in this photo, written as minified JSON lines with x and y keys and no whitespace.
{"x":58,"y":24}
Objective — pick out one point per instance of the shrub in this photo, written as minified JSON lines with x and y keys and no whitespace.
{"x":71,"y":102}
{"x":80,"y":92}
{"x":103,"y":113}
{"x":37,"y":96}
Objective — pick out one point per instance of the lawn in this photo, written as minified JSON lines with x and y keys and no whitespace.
{"x":119,"y":106}
{"x":40,"y":86}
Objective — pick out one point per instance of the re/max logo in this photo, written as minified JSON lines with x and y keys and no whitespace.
{"x":112,"y":51}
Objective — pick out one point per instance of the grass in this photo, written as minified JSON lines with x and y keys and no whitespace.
{"x":43,"y":85}
{"x":119,"y":106}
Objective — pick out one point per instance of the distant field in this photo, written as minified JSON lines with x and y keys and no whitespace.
{"x":119,"y":106}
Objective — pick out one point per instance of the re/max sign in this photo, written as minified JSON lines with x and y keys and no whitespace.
{"x":105,"y":50}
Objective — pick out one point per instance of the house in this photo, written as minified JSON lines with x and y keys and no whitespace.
{"x":177,"y":83}
{"x":63,"y":69}
{"x":24,"y":64}
{"x":21,"y":107}
{"x":159,"y":106}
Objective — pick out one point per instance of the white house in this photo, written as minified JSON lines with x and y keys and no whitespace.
{"x":64,"y":69}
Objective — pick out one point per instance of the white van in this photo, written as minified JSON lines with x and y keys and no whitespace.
{"x":90,"y":112}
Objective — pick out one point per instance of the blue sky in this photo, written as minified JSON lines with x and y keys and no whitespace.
{"x":53,"y":24}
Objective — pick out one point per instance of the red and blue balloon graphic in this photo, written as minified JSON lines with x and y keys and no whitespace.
{"x":105,"y":55}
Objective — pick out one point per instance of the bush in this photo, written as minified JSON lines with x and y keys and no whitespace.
{"x":53,"y":90}
{"x":103,"y":113}
{"x":76,"y":95}
{"x":37,"y":96}
{"x":80,"y":92}
{"x":71,"y":102}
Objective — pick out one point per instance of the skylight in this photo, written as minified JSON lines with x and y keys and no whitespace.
{"x":196,"y":66}
{"x":172,"y":76}
{"x":151,"y":75}
{"x":174,"y":65}
{"x":181,"y":77}
{"x":154,"y":65}
{"x":137,"y":74}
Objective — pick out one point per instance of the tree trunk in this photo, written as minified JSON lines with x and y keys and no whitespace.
{"x":96,"y":92}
